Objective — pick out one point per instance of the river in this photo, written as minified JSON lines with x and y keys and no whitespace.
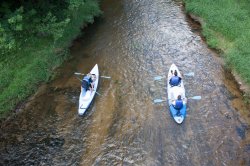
{"x":133,"y":42}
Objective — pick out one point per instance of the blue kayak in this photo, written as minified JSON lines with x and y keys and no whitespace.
{"x":178,"y":113}
{"x":173,"y":92}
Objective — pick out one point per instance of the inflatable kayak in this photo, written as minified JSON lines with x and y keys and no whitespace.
{"x":86,"y":99}
{"x":173,"y":92}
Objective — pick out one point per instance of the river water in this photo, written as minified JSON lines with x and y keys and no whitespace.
{"x":133,"y":42}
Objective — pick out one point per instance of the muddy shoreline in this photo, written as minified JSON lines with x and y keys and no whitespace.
{"x":244,"y":87}
{"x":232,"y":81}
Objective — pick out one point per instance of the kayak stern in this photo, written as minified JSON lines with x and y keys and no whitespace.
{"x":178,"y":116}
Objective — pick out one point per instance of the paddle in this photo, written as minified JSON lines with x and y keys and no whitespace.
{"x":190,"y":74}
{"x":194,"y":98}
{"x":97,"y":93}
{"x":85,"y":74}
{"x":158,"y":78}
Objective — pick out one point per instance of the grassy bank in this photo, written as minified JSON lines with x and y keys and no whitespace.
{"x":226,"y":27}
{"x":34,"y":59}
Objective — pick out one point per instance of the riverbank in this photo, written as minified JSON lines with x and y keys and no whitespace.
{"x":24,"y":68}
{"x":226,"y":28}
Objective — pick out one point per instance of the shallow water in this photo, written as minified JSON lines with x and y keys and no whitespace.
{"x":132,"y":43}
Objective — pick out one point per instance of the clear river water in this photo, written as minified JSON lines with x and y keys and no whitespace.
{"x":133,"y":42}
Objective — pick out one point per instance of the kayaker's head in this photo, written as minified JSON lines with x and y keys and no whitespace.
{"x":175,"y":73}
{"x":179,"y":97}
{"x":93,"y":77}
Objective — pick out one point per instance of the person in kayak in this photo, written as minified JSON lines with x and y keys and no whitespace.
{"x":178,"y":104}
{"x":87,"y":83}
{"x":175,"y":80}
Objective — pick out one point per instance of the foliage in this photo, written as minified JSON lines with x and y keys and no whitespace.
{"x":30,"y":37}
{"x":49,"y":26}
{"x":10,"y":31}
{"x":227,"y":27}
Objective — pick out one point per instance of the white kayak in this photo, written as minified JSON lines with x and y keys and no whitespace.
{"x":173,"y":92}
{"x":85,"y":101}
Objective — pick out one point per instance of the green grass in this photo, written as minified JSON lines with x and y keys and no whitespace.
{"x":226,"y":27}
{"x":22,"y":71}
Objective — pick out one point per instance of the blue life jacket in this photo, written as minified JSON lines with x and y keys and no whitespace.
{"x":178,"y":104}
{"x":86,"y":82}
{"x":87,"y":79}
{"x":175,"y":80}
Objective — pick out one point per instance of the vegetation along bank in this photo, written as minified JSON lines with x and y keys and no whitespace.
{"x":226,"y":27}
{"x":34,"y":40}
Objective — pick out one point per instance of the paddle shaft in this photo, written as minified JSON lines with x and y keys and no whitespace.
{"x":191,"y":74}
{"x":161,"y":100}
{"x":85,"y":74}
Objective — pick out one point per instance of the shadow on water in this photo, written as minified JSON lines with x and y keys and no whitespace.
{"x":133,"y":42}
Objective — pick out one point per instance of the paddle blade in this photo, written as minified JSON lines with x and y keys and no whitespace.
{"x":196,"y":97}
{"x":191,"y":74}
{"x":105,"y":77}
{"x":158,"y":100}
{"x":158,"y":78}
{"x":78,"y":73}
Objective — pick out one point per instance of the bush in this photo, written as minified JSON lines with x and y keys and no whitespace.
{"x":29,"y":44}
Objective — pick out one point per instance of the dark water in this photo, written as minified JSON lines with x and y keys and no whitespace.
{"x":133,"y":42}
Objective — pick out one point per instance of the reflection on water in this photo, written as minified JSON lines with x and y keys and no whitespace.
{"x":132,"y":43}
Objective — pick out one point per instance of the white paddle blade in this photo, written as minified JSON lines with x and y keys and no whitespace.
{"x":196,"y":97}
{"x":158,"y":78}
{"x":105,"y":77}
{"x":158,"y":100}
{"x":78,"y":73}
{"x":191,"y":74}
